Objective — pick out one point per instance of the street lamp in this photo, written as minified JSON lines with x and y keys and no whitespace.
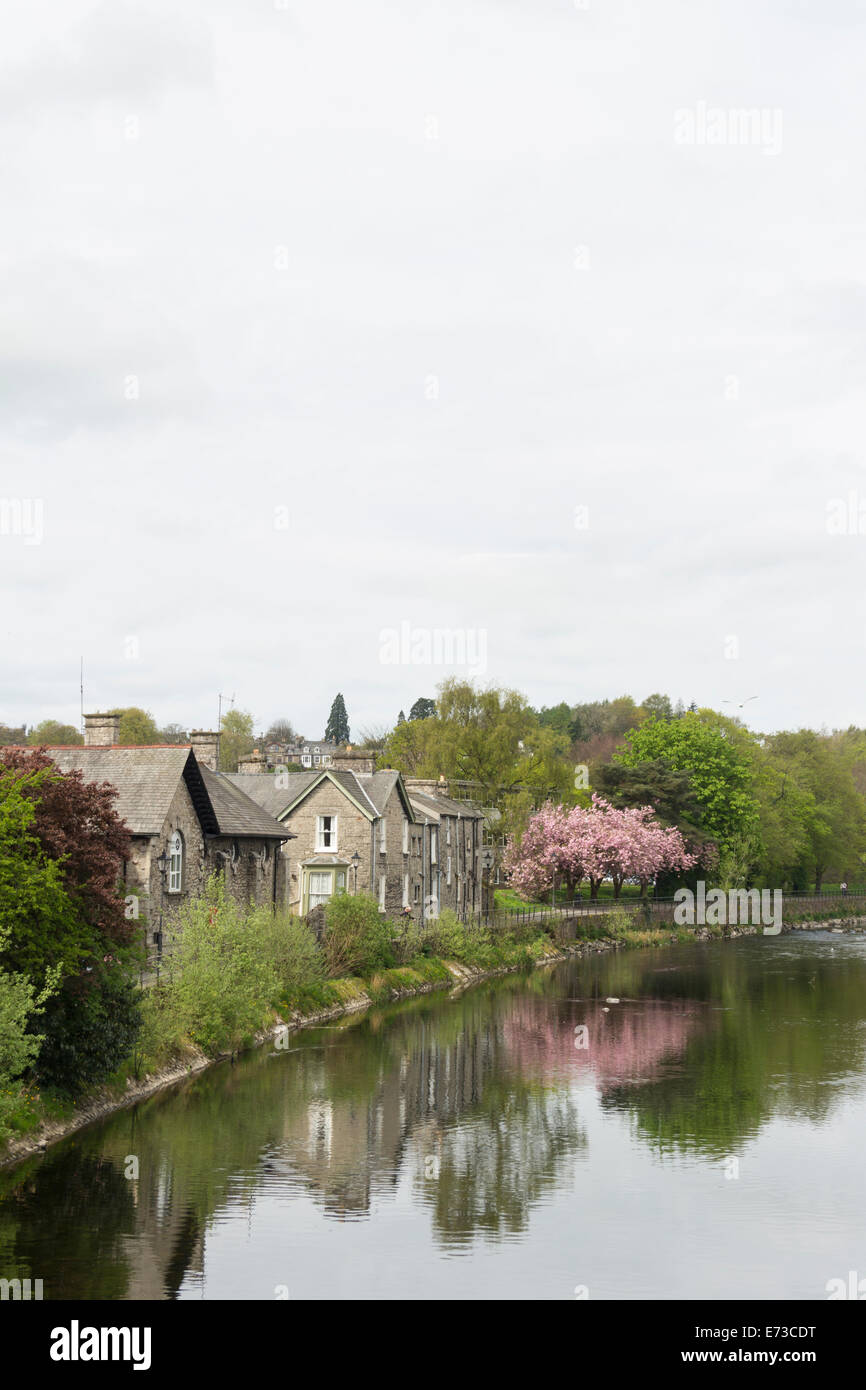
{"x":162,"y":864}
{"x":355,"y":861}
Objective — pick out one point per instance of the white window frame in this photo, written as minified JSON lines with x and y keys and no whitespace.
{"x":448,"y":871}
{"x":434,"y":844}
{"x":174,"y":877}
{"x":324,"y":876}
{"x":405,"y":836}
{"x":383,"y":836}
{"x":405,"y":890}
{"x":321,"y":847}
{"x":381,"y":892}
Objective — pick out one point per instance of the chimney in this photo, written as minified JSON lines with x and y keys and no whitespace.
{"x":206,"y":746}
{"x":361,"y":761}
{"x":101,"y":729}
{"x":254,"y":763}
{"x":425,"y":784}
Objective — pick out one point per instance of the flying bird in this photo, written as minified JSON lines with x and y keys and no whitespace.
{"x":741,"y":702}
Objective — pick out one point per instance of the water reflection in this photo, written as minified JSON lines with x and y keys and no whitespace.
{"x":469,"y":1114}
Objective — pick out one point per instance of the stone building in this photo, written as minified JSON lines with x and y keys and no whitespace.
{"x":186,"y":820}
{"x":359,"y":830}
{"x":304,"y":752}
{"x":454,"y":835}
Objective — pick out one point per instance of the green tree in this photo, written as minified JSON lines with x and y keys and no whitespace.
{"x":492,"y":739}
{"x":423,"y":708}
{"x":703,"y":744}
{"x":658,"y":706}
{"x":50,"y":731}
{"x":62,"y":852}
{"x":41,"y":925}
{"x":236,"y":738}
{"x":667,"y":789}
{"x":337,"y":727}
{"x":20,"y":1004}
{"x":833,"y":812}
{"x":137,"y":726}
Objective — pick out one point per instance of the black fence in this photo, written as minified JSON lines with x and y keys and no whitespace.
{"x":658,"y":910}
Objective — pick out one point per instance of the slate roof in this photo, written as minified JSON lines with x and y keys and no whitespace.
{"x":273,"y":798}
{"x":237,"y":813}
{"x":435,"y":802}
{"x":261,"y":787}
{"x":147,"y":777}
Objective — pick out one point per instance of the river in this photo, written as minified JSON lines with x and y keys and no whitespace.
{"x":704,"y":1137}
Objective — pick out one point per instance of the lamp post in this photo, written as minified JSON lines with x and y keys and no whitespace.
{"x":355,"y":861}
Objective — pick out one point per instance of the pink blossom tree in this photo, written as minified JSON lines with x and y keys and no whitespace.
{"x":596,"y":842}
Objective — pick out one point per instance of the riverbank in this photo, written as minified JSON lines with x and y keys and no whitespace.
{"x":355,"y":995}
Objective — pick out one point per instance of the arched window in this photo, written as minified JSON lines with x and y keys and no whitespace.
{"x":175,"y":862}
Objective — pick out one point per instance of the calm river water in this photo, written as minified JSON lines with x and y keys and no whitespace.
{"x":709,"y":1141}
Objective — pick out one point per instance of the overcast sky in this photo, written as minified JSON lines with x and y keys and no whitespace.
{"x":327,"y":323}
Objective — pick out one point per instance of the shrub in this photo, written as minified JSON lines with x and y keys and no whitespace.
{"x":291,"y":946}
{"x":222,"y":978}
{"x":19,"y":1003}
{"x":357,"y":938}
{"x":90,"y":1028}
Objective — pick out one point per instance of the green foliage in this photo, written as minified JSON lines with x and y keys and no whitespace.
{"x":704,"y":745}
{"x":43,"y":926}
{"x":423,"y":708}
{"x":137,"y":726}
{"x":91,"y":1027}
{"x":289,"y":944}
{"x":20,"y":1003}
{"x":236,"y":738}
{"x":491,"y":738}
{"x":50,"y":731}
{"x":222,"y":979}
{"x":357,"y":938}
{"x":337,"y":727}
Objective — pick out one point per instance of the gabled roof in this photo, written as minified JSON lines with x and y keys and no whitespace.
{"x":235,"y":812}
{"x":437,"y":803}
{"x":379,"y":787}
{"x":280,"y":793}
{"x":424,"y":810}
{"x":273,"y":791}
{"x":147,"y":777}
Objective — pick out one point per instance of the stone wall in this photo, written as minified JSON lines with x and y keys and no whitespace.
{"x":353,"y":834}
{"x":247,"y":865}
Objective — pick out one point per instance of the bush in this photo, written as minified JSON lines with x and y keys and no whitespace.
{"x":222,"y":978}
{"x":357,"y":938}
{"x":89,"y":1028}
{"x":19,"y":1003}
{"x":291,"y":946}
